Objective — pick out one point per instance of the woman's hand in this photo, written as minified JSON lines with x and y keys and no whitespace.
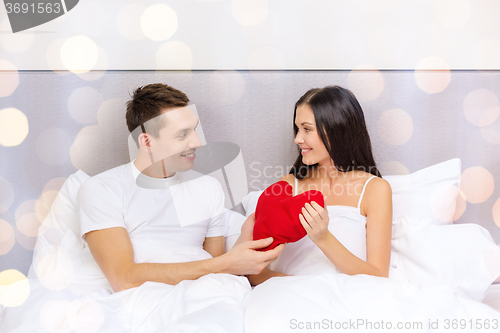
{"x":314,"y":219}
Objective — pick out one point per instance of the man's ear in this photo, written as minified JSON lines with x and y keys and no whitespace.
{"x":144,"y":141}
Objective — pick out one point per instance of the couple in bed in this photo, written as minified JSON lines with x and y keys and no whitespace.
{"x":131,"y":229}
{"x":151,"y":223}
{"x":155,"y":229}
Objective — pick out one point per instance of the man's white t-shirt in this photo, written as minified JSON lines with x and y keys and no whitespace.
{"x":167,"y":219}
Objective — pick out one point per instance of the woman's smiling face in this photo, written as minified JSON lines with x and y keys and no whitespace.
{"x":313,"y":150}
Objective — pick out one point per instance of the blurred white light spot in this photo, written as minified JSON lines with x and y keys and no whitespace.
{"x":129,"y":21}
{"x":14,"y":288}
{"x":432,"y":75}
{"x":486,"y":54}
{"x":83,"y":104}
{"x":490,"y":122}
{"x":250,"y":12}
{"x":95,"y":147}
{"x":496,"y":212}
{"x":159,"y":22}
{"x":489,"y":116}
{"x":26,"y":207}
{"x":79,"y":54}
{"x":477,"y":184}
{"x":174,"y":55}
{"x":85,"y":316}
{"x":13,"y":127}
{"x":53,"y":145}
{"x":53,"y":316}
{"x":28,"y":224}
{"x":478,"y":107}
{"x":54,"y":184}
{"x":55,"y":269}
{"x":6,"y":195}
{"x":9,"y":78}
{"x":453,"y":13}
{"x":395,"y":127}
{"x":99,"y":69}
{"x":7,"y":237}
{"x":366,"y":84}
{"x":393,"y":168}
{"x":53,"y":55}
{"x":460,"y":205}
{"x":227,"y":87}
{"x":43,"y":204}
{"x":81,"y":150}
{"x":14,"y":43}
{"x":267,"y":57}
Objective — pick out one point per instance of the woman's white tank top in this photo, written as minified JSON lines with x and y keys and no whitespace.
{"x":346,"y":224}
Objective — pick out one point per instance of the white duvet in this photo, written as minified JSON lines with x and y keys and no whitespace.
{"x":362,"y":303}
{"x":213,"y":303}
{"x":439,"y":276}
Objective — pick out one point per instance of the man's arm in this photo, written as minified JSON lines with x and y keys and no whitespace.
{"x":113,"y":252}
{"x":214,"y":245}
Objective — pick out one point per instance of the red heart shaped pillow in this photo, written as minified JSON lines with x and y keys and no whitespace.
{"x":277,"y":214}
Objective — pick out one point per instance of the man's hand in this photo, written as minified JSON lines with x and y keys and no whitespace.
{"x":242,"y":259}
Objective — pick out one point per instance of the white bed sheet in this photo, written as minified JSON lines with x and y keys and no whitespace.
{"x":492,"y":297}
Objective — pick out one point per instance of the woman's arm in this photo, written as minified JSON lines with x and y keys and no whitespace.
{"x":378,"y":207}
{"x":263,"y":276}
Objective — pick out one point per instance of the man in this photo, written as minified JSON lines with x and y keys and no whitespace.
{"x":155,"y":232}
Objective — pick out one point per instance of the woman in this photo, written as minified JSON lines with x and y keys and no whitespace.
{"x":336,"y":158}
{"x":353,"y":231}
{"x":352,"y":235}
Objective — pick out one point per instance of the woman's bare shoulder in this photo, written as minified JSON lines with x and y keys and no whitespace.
{"x":378,"y":191}
{"x":290,"y":178}
{"x":377,"y":202}
{"x":380,"y":185}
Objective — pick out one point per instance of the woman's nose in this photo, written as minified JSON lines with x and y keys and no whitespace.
{"x":298,"y":139}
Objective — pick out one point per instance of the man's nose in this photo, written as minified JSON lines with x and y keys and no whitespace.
{"x":195,"y":142}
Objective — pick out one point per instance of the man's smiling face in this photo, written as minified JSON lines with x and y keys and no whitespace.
{"x":177,"y":140}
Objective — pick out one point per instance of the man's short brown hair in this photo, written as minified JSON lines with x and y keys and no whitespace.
{"x":148,"y":102}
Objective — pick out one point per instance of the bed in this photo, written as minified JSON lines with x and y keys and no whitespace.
{"x":441,"y":276}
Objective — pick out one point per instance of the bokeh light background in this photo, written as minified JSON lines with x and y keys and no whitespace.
{"x":426,"y":73}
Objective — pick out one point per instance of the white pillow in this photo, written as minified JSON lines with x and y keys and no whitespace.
{"x":232,"y":227}
{"x":427,"y":193}
{"x":463,"y":256}
{"x":249,"y":202}
{"x":63,"y":216}
{"x":60,"y":254}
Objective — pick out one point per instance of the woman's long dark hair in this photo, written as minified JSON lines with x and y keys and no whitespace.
{"x":341,"y":126}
